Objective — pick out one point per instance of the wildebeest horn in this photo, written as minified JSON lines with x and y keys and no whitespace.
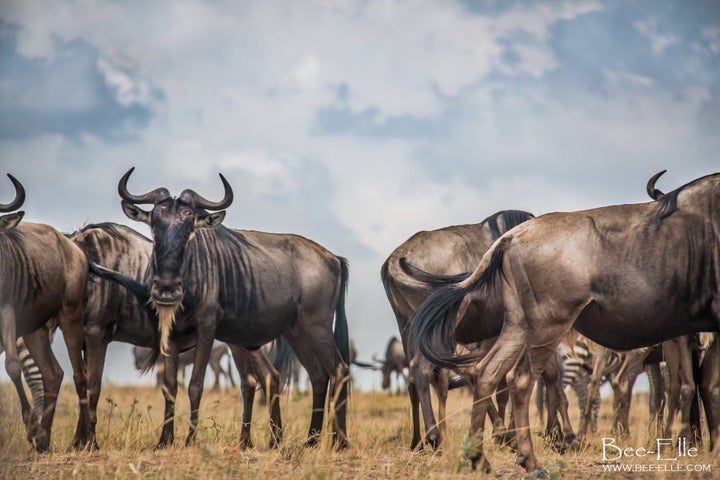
{"x":654,"y":193}
{"x":19,"y":196}
{"x":197,"y":201}
{"x":155,"y":196}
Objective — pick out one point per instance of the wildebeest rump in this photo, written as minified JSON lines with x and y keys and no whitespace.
{"x":244,"y":288}
{"x":625,"y":276}
{"x":114,"y":314}
{"x":42,"y":275}
{"x":449,"y":251}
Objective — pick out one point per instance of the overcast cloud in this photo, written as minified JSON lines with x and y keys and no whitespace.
{"x":354,"y":123}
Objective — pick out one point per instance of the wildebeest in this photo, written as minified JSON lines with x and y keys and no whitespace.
{"x":245,"y":288}
{"x":218,"y":352}
{"x":395,"y":362}
{"x":449,"y":251}
{"x":42,"y":275}
{"x":624,"y":276}
{"x":114,"y":314}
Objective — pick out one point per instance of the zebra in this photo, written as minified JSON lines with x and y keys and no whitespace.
{"x":576,"y":366}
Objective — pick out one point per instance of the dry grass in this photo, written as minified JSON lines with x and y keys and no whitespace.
{"x":379,"y":427}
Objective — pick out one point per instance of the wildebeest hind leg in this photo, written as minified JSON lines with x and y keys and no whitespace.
{"x":493,"y":367}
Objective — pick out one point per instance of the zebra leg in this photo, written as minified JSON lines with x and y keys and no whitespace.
{"x":38,"y":345}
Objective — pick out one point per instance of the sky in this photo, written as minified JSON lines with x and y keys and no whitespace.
{"x":353,"y":123}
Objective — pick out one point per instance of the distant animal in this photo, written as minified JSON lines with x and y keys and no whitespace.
{"x":186,"y":358}
{"x":395,"y":362}
{"x":624,"y":276}
{"x":42,"y":276}
{"x":242,"y":287}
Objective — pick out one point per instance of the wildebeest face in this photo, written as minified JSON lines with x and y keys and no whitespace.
{"x":173,"y":222}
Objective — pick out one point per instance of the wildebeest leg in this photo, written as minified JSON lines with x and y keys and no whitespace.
{"x":502,"y":397}
{"x":521,"y":382}
{"x":687,"y":385}
{"x":672,"y":361}
{"x":13,"y":366}
{"x":490,"y":370}
{"x":255,"y":368}
{"x":248,"y":384}
{"x":540,"y":398}
{"x":38,"y":344}
{"x":622,"y":386}
{"x":440,"y":378}
{"x":710,"y":390}
{"x":95,"y":351}
{"x":422,"y":372}
{"x":203,"y":347}
{"x":169,"y":389}
{"x":657,"y":395}
{"x":71,"y":319}
{"x":557,"y":401}
{"x":313,"y":354}
{"x":593,"y":389}
{"x":415,"y":409}
{"x":214,"y":364}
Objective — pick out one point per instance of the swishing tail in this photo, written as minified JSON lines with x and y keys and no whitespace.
{"x":432,"y":329}
{"x":141,"y":293}
{"x":399,"y":275}
{"x":283,"y":359}
{"x":341,"y":333}
{"x":456,"y":381}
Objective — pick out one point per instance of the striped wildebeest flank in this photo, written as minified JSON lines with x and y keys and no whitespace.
{"x":244,"y":288}
{"x":624,"y":276}
{"x":218,"y":352}
{"x":112,"y":313}
{"x":42,"y":275}
{"x":450,"y":251}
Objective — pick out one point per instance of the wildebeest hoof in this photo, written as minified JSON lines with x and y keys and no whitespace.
{"x":433,"y":440}
{"x":484,"y":464}
{"x":342,"y":444}
{"x":246,"y":443}
{"x":312,"y":441}
{"x":539,"y":473}
{"x":520,"y":461}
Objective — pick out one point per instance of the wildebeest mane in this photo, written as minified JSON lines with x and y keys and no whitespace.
{"x":511,"y":219}
{"x":667,"y":205}
{"x":434,"y":323}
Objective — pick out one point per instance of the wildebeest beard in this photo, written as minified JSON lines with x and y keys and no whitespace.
{"x":166,"y":316}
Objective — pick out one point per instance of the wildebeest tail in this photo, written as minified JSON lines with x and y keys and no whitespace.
{"x":283,"y":359}
{"x":342,"y":336}
{"x":433,"y":326}
{"x":140,"y":292}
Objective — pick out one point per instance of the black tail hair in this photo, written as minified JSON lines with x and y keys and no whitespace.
{"x":283,"y":359}
{"x":433,"y":327}
{"x":433,"y":281}
{"x":142,"y":294}
{"x":456,"y":381}
{"x":341,"y":333}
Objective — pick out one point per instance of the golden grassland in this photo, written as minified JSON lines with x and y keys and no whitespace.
{"x":129,"y":421}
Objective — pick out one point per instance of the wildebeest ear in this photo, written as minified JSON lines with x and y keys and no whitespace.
{"x":10,"y":221}
{"x":210,"y":221}
{"x":134,"y":212}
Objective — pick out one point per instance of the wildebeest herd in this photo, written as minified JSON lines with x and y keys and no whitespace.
{"x":491,"y":307}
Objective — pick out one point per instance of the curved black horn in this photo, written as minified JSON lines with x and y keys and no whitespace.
{"x":152,"y":197}
{"x":197,"y":201}
{"x":19,"y":196}
{"x":654,"y":193}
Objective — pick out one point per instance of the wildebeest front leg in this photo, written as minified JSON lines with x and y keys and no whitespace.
{"x":197,"y":378}
{"x":415,"y":409}
{"x":169,"y":389}
{"x":248,"y":384}
{"x":95,"y":351}
{"x":710,"y":390}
